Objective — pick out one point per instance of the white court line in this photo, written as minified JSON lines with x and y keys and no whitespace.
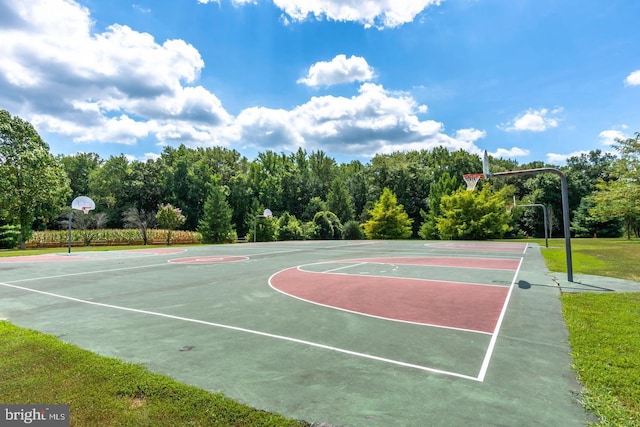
{"x":494,"y":338}
{"x":332,"y":271}
{"x":346,"y":310}
{"x":82,"y":273}
{"x":250,"y":331}
{"x":340,"y":268}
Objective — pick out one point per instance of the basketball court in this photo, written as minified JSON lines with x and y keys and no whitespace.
{"x":346,"y":333}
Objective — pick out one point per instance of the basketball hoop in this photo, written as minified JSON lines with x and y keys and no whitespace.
{"x":472,"y":179}
{"x":83,"y":203}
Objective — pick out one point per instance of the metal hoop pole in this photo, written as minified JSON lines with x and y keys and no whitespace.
{"x":565,"y":207}
{"x":70,"y":219}
{"x":544,"y":214}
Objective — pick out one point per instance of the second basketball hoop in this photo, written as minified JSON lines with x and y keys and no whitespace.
{"x":472,"y":180}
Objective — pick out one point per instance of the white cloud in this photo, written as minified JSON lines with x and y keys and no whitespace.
{"x":141,"y":9}
{"x":122,"y":86}
{"x":610,"y":136}
{"x":470,"y":135}
{"x":533,"y":121}
{"x":370,"y":13}
{"x":375,"y":121}
{"x":511,"y":152}
{"x":235,"y":2}
{"x":337,"y":71}
{"x":116,"y":86}
{"x":556,"y":159}
{"x":633,"y":79}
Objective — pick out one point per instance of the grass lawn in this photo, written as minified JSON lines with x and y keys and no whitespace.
{"x":604,"y":329}
{"x":40,"y":369}
{"x":604,"y":332}
{"x":618,"y":258}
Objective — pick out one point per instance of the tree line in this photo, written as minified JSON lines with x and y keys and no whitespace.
{"x":416,"y":194}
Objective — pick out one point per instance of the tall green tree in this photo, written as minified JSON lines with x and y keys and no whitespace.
{"x":583,"y":224}
{"x":445,"y":185}
{"x":78,"y":167}
{"x":322,"y":170}
{"x":215,"y":225}
{"x":354,"y":175}
{"x":316,"y":204}
{"x":474,"y":215}
{"x":339,"y":201}
{"x":108,"y":187}
{"x":145,"y":190}
{"x":388,"y":219}
{"x":32,"y":180}
{"x":620,"y":197}
{"x":617,"y":199}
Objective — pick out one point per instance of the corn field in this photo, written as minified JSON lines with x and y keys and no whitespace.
{"x":109,"y":237}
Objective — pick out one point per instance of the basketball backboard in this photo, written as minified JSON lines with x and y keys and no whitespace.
{"x":485,"y":165}
{"x":83,"y":203}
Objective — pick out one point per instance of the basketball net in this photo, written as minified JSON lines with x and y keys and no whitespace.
{"x":86,"y":209}
{"x":472,"y":179}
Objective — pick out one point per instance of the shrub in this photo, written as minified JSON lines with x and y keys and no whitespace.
{"x":353,"y":231}
{"x":9,"y":236}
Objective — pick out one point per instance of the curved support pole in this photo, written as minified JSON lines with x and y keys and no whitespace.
{"x":565,"y":207}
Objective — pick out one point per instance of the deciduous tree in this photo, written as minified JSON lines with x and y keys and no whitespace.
{"x":388,"y":219}
{"x":620,"y":197}
{"x":140,"y":219}
{"x":169,"y":218}
{"x":32,"y":180}
{"x":473,"y":215}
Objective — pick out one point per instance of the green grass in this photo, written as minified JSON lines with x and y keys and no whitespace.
{"x":604,"y":332}
{"x":604,"y":329}
{"x":39,"y":369}
{"x":619,"y":258}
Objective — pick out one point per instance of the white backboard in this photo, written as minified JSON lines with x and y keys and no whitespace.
{"x":83,"y":203}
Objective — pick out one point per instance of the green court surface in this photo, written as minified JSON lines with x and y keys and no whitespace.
{"x":336,"y":333}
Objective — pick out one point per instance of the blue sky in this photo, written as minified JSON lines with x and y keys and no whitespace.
{"x":524,"y":79}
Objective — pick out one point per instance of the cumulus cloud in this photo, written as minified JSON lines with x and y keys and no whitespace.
{"x":123,"y":86}
{"x":511,"y":152}
{"x":370,"y":13}
{"x":556,"y":159}
{"x":116,"y":86}
{"x":235,"y":2}
{"x":533,"y":121}
{"x":470,"y":135}
{"x":337,"y":71}
{"x":610,"y":136}
{"x":633,"y":79}
{"x":375,"y":121}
